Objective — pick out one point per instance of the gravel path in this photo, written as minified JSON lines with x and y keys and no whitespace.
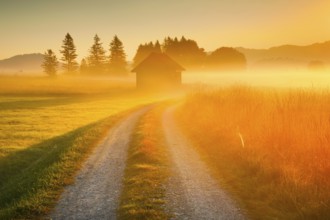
{"x":97,"y":187}
{"x":192,"y":192}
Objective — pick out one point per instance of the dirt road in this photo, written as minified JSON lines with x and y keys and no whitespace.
{"x":192,"y":191}
{"x":95,"y":193}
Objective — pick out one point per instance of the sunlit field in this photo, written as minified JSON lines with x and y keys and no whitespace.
{"x":266,"y":142}
{"x":165,"y":110}
{"x":62,"y":86}
{"x":47,"y":127}
{"x":275,"y":79}
{"x":43,"y":110}
{"x":270,"y":146}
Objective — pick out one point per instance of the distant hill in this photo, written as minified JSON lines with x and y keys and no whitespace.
{"x":21,"y":64}
{"x":287,"y":56}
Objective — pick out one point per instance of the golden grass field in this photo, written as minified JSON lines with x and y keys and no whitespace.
{"x":270,"y":147}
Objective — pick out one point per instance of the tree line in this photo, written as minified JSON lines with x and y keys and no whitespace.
{"x":187,"y":53}
{"x":184,"y":51}
{"x":96,"y":62}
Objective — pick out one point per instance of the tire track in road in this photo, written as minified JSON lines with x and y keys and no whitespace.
{"x":97,"y":187}
{"x":192,"y":192}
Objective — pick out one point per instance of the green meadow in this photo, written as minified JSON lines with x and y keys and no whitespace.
{"x":47,"y":127}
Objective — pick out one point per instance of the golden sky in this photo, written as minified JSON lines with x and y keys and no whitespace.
{"x":29,"y":26}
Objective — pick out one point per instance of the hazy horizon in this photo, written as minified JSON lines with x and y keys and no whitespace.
{"x":32,"y":27}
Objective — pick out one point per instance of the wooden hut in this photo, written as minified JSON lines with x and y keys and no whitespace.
{"x":158,"y":71}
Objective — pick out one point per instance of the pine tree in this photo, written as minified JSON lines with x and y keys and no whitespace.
{"x":96,"y":58}
{"x":167,"y":43}
{"x":144,"y":50}
{"x":50,"y":63}
{"x":157,"y":47}
{"x":69,"y":55}
{"x":141,"y":53}
{"x":184,"y":51}
{"x":117,"y":58}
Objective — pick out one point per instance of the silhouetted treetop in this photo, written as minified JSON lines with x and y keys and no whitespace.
{"x":50,"y":63}
{"x":96,"y":58}
{"x":144,"y":50}
{"x":184,"y":51}
{"x":157,"y":47}
{"x":69,"y":54}
{"x":227,"y":58}
{"x":117,"y":58}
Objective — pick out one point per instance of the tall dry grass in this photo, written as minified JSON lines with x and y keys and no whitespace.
{"x":271,"y":147}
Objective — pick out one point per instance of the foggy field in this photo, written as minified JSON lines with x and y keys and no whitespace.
{"x":277,"y":79}
{"x":265,"y":136}
{"x":197,"y":110}
{"x":63,"y":85}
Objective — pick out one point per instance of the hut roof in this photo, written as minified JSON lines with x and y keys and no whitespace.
{"x":156,"y":61}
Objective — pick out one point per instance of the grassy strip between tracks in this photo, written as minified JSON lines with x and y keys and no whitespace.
{"x":143,"y":195}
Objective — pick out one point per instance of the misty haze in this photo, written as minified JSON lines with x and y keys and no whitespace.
{"x":164,"y":109}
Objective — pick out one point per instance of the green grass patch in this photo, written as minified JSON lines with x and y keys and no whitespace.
{"x":26,"y":121}
{"x":47,"y":126}
{"x":143,"y":195}
{"x":33,"y":179}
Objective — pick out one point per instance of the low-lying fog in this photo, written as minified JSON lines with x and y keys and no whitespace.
{"x":305,"y":79}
